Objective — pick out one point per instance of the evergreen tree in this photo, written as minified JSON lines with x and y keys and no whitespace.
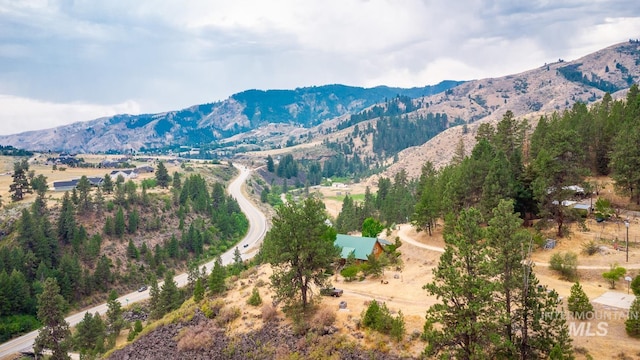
{"x":84,"y":195}
{"x":132,"y":251}
{"x":300,"y":249}
{"x":578,"y":302}
{"x":107,"y":184}
{"x":238,"y":263}
{"x":55,"y":333}
{"x":162,"y":176}
{"x":632,"y":324}
{"x":20,"y":185}
{"x":255,"y":299}
{"x":114,"y":321}
{"x":99,"y":203}
{"x":154,"y":299}
{"x":90,"y":332}
{"x":119,"y":224}
{"x":507,"y":242}
{"x":134,"y":220}
{"x":461,"y":325}
{"x":170,"y":297}
{"x":177,"y":181}
{"x":217,"y":278}
{"x":270,"y":165}
{"x":558,"y":166}
{"x":66,"y":220}
{"x":427,"y":209}
{"x":198,"y":291}
{"x":544,"y":333}
{"x":635,"y":286}
{"x":625,"y":162}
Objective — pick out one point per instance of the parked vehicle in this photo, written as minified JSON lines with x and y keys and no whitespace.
{"x":142,"y":288}
{"x":331,"y":292}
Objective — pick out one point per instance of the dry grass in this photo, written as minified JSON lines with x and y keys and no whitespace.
{"x":197,"y":337}
{"x":268,"y":313}
{"x":323,"y":317}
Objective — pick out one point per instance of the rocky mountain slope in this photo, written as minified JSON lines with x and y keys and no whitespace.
{"x":205,"y":123}
{"x":548,"y":88}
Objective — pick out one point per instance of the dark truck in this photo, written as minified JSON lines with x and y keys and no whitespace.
{"x":331,"y":292}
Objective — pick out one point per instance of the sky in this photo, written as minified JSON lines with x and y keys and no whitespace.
{"x":63,"y":61}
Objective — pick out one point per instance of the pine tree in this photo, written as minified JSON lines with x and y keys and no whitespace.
{"x":507,"y":242}
{"x":20,"y":185}
{"x":119,"y":224}
{"x":162,"y":176}
{"x":238,"y":263}
{"x":107,"y":184}
{"x":66,"y":220}
{"x":217,"y":278}
{"x":270,"y":165}
{"x":114,"y":320}
{"x":462,"y":324}
{"x":55,"y":333}
{"x":154,"y":299}
{"x":300,"y":249}
{"x":177,"y":181}
{"x":198,"y":291}
{"x":255,"y":299}
{"x":132,"y":251}
{"x":578,"y":302}
{"x":170,"y":297}
{"x":632,"y":324}
{"x":134,"y":220}
{"x":85,"y":205}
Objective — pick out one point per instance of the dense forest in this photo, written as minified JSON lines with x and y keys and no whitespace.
{"x":75,"y":243}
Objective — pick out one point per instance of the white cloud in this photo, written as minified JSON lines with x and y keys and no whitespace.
{"x":172,"y":54}
{"x":22,"y":114}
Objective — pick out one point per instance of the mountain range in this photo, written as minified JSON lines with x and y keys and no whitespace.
{"x":206,"y":123}
{"x":333,"y":109}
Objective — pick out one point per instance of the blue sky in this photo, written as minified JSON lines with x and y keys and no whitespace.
{"x":63,"y":61}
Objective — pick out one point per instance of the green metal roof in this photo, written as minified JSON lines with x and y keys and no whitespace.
{"x":360,"y":246}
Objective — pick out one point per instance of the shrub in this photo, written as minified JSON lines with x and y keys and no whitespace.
{"x":212,"y":308}
{"x":227,"y":315}
{"x":137,"y":326}
{"x":566,"y":264}
{"x":378,"y":317}
{"x":590,"y":248}
{"x":255,"y":299}
{"x":350,"y":272}
{"x":323,"y":317}
{"x":196,"y":338}
{"x":268,"y":313}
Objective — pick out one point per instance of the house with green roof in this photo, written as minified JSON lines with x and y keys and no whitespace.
{"x":360,"y":246}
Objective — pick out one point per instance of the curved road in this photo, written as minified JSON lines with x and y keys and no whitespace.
{"x":255,"y":234}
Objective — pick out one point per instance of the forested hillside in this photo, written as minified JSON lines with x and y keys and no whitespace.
{"x":121,"y":235}
{"x":534,"y":167}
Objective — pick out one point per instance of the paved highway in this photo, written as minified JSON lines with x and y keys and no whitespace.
{"x":255,"y":234}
